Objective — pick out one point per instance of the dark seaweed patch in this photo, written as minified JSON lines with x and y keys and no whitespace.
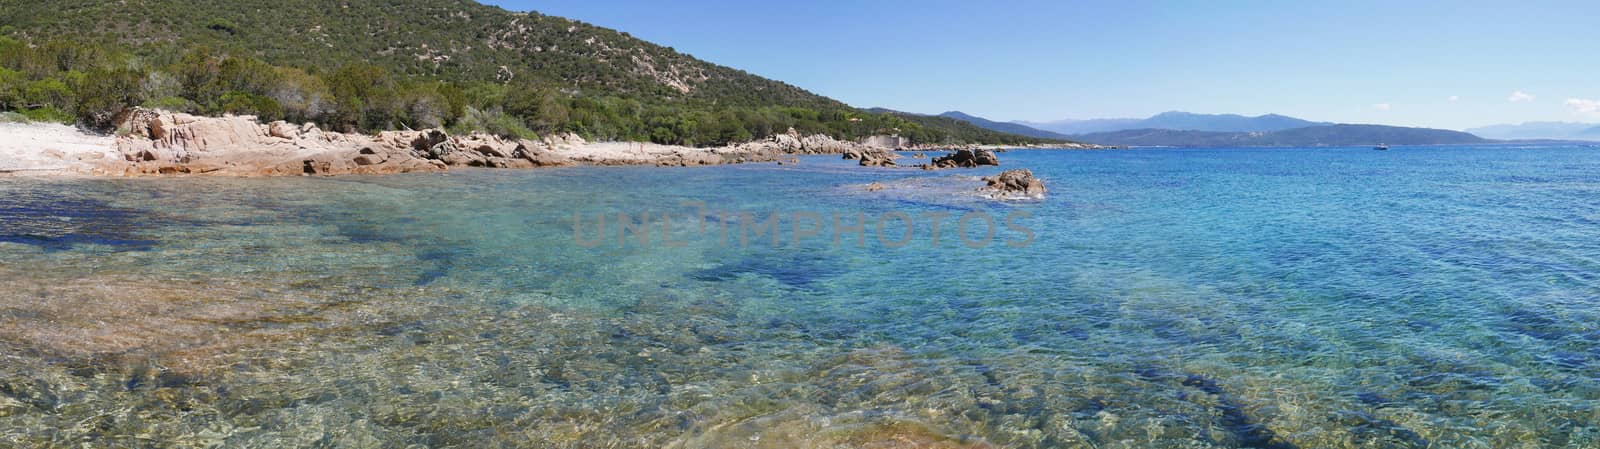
{"x":1372,"y":431}
{"x":1373,"y":399}
{"x":37,"y":394}
{"x":1245,"y":430}
{"x":1421,"y":325}
{"x":1150,"y":373}
{"x":1091,"y":407}
{"x":168,"y":379}
{"x":1450,"y":381}
{"x":363,"y":232}
{"x":357,"y":227}
{"x":802,"y":271}
{"x":54,"y":223}
{"x":1534,"y":325}
{"x":400,"y":328}
{"x":987,"y":371}
{"x":439,"y":262}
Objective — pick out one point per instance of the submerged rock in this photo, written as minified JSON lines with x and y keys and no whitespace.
{"x":1015,"y":182}
{"x":964,"y":159}
{"x":878,"y":158}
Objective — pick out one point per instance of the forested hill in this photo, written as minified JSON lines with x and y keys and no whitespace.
{"x":379,"y":64}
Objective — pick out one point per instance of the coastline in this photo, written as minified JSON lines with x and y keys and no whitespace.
{"x":159,"y":143}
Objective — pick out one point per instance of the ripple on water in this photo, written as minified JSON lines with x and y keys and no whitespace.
{"x":1316,"y":298}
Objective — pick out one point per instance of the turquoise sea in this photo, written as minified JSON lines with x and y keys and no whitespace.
{"x":1439,"y":297}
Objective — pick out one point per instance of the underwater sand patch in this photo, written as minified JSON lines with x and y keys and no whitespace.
{"x":182,"y":323}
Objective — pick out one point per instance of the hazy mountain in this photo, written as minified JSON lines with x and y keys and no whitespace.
{"x":1011,"y":128}
{"x":1325,"y":135}
{"x":1224,"y":122}
{"x":1070,"y":127}
{"x":1178,"y":120}
{"x":1540,"y":130}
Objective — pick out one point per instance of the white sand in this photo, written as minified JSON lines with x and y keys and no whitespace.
{"x":50,"y":148}
{"x":627,"y":152}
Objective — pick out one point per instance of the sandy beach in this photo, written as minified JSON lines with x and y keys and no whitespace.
{"x":50,"y":148}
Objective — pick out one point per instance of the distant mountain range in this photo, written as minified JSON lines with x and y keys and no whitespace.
{"x":1541,"y":130}
{"x":1009,"y":128}
{"x":1096,"y":125}
{"x":1180,"y":121}
{"x":1186,"y":129}
{"x":1323,"y":135}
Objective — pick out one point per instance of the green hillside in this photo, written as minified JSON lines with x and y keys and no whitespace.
{"x":384,"y":64}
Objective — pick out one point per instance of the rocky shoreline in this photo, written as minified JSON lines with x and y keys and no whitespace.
{"x":156,"y":143}
{"x":159,"y":143}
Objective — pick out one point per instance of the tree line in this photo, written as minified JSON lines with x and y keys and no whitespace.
{"x":91,"y":85}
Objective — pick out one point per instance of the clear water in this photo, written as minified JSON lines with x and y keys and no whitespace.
{"x":1286,"y":298}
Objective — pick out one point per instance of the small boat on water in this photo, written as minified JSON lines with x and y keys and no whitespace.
{"x":1381,"y":147}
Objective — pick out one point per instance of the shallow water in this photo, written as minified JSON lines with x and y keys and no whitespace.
{"x":1285,"y":298}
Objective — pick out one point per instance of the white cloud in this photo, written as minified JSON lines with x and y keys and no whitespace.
{"x":1382,"y":106}
{"x":1584,"y":107}
{"x":1520,"y":97}
{"x":1455,"y":98}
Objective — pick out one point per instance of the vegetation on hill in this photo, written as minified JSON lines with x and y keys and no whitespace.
{"x":386,"y":64}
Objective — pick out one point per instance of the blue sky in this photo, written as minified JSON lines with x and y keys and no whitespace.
{"x":1439,"y":64}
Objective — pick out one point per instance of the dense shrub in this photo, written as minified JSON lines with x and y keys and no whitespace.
{"x":103,"y":94}
{"x":92,"y":84}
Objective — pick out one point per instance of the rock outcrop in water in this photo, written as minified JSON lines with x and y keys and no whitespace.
{"x":869,"y":155}
{"x":1012,"y":183}
{"x":964,"y":159}
{"x":878,"y":158}
{"x":986,"y":157}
